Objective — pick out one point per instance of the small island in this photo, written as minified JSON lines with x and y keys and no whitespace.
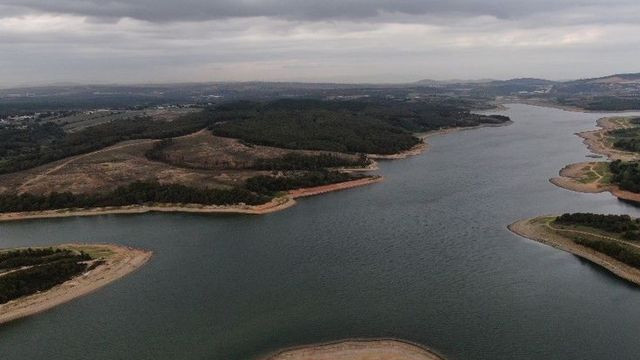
{"x":611,"y":241}
{"x":358,"y":350}
{"x":33,"y":280}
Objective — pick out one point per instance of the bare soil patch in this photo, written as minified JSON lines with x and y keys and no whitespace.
{"x":358,"y":350}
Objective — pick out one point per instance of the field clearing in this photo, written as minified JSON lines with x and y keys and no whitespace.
{"x":198,"y":160}
{"x":87,"y":119}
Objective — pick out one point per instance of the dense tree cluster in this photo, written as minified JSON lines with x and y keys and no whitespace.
{"x":272,"y":184}
{"x":39,"y":144}
{"x":136,"y":193}
{"x":157,"y":152}
{"x":380,"y":127}
{"x":626,"y":175}
{"x":627,"y":139}
{"x":30,"y":257}
{"x":293,"y":161}
{"x":37,"y":270}
{"x":610,"y":223}
{"x":621,"y":252}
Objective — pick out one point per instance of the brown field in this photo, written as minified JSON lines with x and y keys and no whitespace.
{"x":205,"y":151}
{"x":199,"y":159}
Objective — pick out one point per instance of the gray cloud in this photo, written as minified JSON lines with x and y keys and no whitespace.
{"x":362,"y":40}
{"x":200,"y":10}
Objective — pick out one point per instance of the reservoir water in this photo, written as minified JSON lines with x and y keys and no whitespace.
{"x":424,"y":256}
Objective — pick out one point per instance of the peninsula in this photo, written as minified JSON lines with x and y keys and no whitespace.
{"x":34,"y":280}
{"x":241,"y":157}
{"x":611,"y":241}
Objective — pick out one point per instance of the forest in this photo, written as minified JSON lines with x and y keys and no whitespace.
{"x":377,"y":127}
{"x":610,"y":223}
{"x":137,"y":193}
{"x":25,"y":272}
{"x":627,"y":139}
{"x":621,"y":252}
{"x":264,"y":184}
{"x":41,"y":143}
{"x":293,"y":161}
{"x":626,"y":175}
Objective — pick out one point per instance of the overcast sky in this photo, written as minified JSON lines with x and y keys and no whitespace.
{"x":143,"y":41}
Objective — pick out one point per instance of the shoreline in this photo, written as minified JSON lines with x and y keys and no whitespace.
{"x":549,"y":104}
{"x":357,"y":349}
{"x":594,"y":140}
{"x":122,"y":261}
{"x":567,"y":180}
{"x":276,"y":204}
{"x":536,"y":232}
{"x":425,"y":146}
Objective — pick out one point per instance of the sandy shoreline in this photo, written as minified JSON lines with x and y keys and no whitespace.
{"x":596,"y":141}
{"x":121,"y":262}
{"x":357,"y":349}
{"x":277,"y":204}
{"x":535,"y":229}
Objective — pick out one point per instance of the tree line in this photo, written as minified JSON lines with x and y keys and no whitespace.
{"x":137,"y":193}
{"x":375,"y":126}
{"x":264,"y":184}
{"x":610,"y":223}
{"x":38,"y":144}
{"x":48,"y":268}
{"x":626,"y":175}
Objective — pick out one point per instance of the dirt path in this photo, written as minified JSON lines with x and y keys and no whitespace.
{"x":119,"y":261}
{"x":22,"y":188}
{"x":586,"y":233}
{"x":358,"y":350}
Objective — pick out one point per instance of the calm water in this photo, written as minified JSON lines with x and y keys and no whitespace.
{"x":424,"y":256}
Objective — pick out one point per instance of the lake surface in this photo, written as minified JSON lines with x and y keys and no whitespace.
{"x":424,"y":256}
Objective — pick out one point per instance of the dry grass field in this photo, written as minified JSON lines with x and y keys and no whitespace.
{"x":199,"y":160}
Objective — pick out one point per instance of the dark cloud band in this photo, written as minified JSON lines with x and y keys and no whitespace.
{"x":199,"y":10}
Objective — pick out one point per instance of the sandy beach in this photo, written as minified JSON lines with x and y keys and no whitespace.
{"x":358,"y":350}
{"x":120,"y":261}
{"x":538,"y":229}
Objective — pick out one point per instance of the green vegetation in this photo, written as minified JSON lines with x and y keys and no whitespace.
{"x":137,"y":193}
{"x":626,"y":175}
{"x":380,"y":127}
{"x":619,"y":251}
{"x":627,"y":139}
{"x":610,"y":223}
{"x":25,"y":272}
{"x":273,"y":184}
{"x":38,"y":144}
{"x":294,"y":161}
